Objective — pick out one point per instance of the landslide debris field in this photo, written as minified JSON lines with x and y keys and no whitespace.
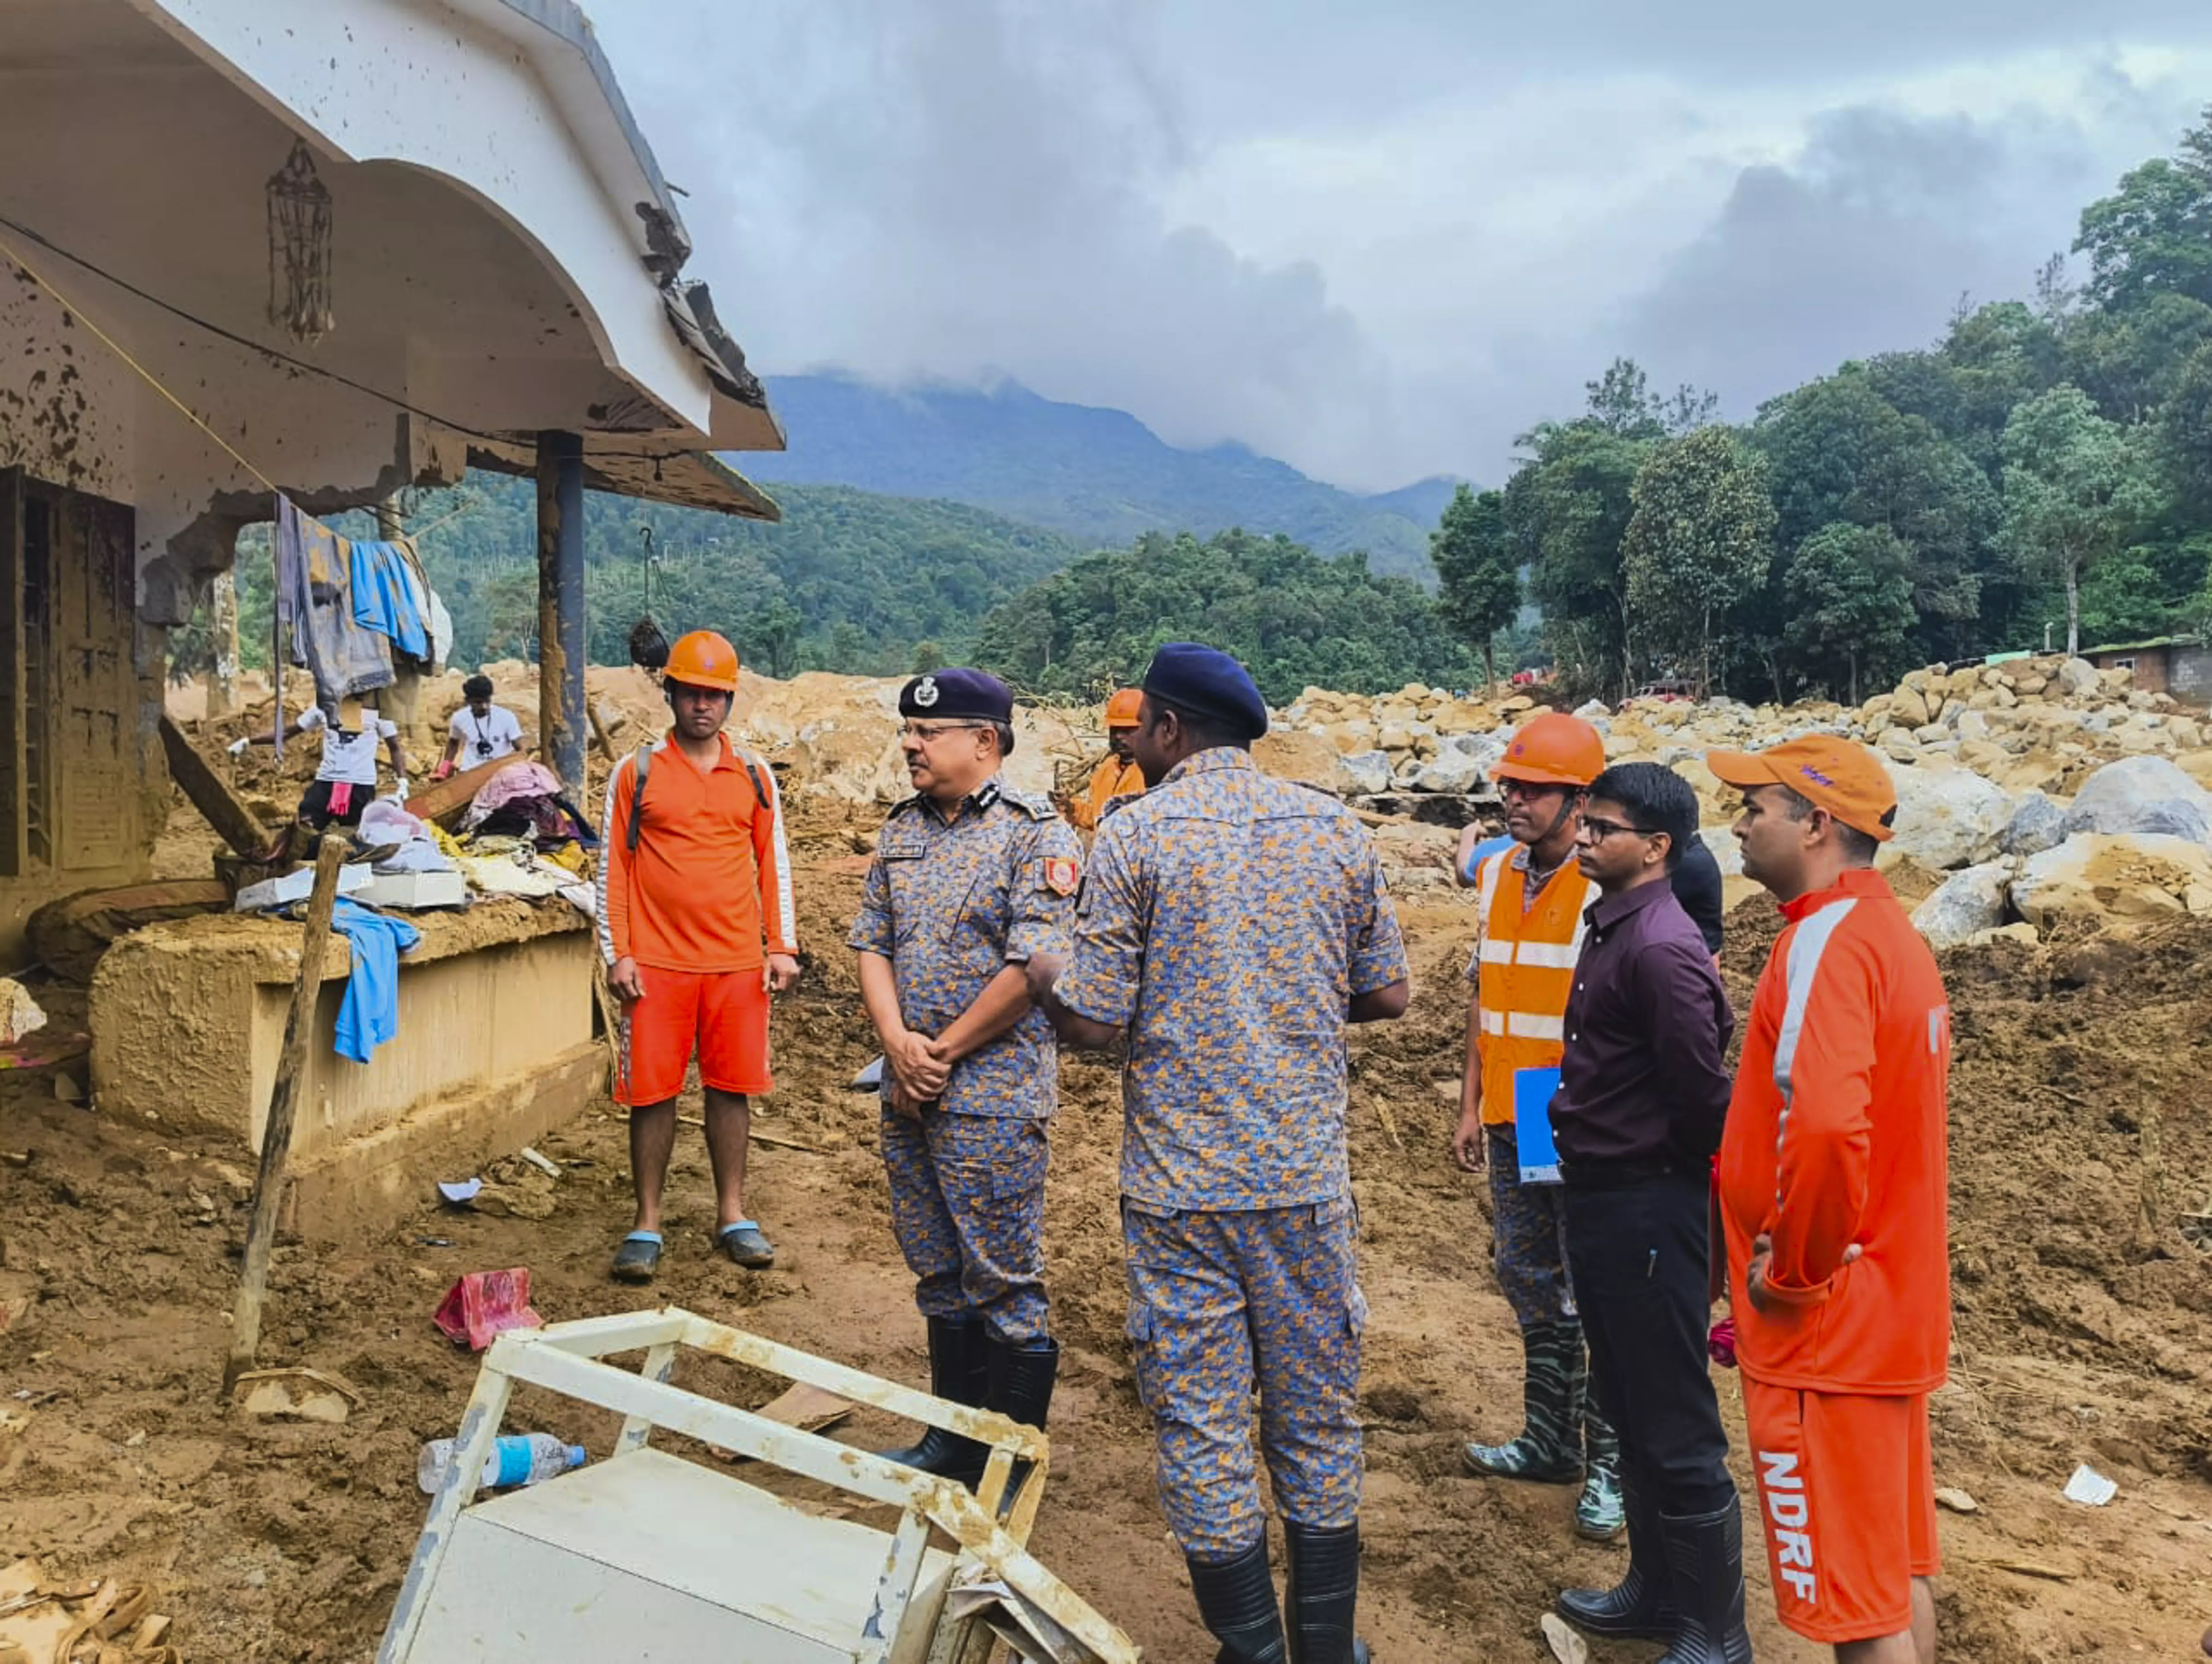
{"x":2080,"y":1146}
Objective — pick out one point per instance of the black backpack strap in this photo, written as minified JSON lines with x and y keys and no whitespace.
{"x":641,"y":766}
{"x":759,"y":786}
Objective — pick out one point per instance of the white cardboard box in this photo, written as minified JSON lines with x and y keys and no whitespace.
{"x":411,"y":891}
{"x":296,"y":887}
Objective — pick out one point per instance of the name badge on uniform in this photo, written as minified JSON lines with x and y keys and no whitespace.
{"x":1532,"y":1092}
{"x":1062,"y":874}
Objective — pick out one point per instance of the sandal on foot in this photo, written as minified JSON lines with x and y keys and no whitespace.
{"x":638,"y":1257}
{"x":746,"y":1244}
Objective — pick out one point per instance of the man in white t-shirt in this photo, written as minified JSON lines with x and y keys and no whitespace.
{"x":480,"y":731}
{"x":345,"y":778}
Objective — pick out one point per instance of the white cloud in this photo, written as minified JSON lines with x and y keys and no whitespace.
{"x":1379,"y":241}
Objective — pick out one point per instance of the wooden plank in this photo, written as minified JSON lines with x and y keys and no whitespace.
{"x":208,"y":792}
{"x":284,"y":1101}
{"x":445,"y":801}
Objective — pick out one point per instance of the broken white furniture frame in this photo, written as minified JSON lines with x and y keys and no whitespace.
{"x":590,"y":1518}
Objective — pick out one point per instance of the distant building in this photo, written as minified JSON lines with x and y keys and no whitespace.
{"x":2180,"y":665}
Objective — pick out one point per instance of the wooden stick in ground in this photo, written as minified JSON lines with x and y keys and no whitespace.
{"x":284,"y":1099}
{"x":599,"y":732}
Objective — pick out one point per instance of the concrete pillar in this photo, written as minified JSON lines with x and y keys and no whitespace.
{"x":561,"y":721}
{"x":223,"y":623}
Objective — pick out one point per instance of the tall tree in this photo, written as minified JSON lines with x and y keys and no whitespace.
{"x":1478,"y":573}
{"x":1849,"y":596}
{"x":2076,"y":487}
{"x":1569,"y":507}
{"x":1700,"y":540}
{"x":2153,"y":235}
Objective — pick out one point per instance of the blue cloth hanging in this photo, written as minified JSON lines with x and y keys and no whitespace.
{"x":370,"y":1013}
{"x":384,"y":597}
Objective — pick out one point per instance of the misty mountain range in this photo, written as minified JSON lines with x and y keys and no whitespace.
{"x":1098,"y":476}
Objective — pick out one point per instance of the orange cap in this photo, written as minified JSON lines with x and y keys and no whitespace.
{"x":1121,"y":709}
{"x":1552,"y":749}
{"x":703,"y":660}
{"x":1845,"y":779}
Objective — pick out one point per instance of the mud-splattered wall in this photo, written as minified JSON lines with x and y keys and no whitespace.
{"x":66,"y":403}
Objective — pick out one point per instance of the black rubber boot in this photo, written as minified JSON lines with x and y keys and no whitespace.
{"x":1237,"y":1604}
{"x":1548,"y":1449}
{"x":959,"y":1371}
{"x":1321,"y":1592}
{"x":1021,"y":1373}
{"x":1642,"y":1604}
{"x":1704,"y":1552}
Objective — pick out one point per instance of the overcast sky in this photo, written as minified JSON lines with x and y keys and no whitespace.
{"x":1379,"y":238}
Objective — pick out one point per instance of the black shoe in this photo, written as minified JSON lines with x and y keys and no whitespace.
{"x":1322,"y":1591}
{"x":1704,"y":1552}
{"x":1237,"y":1604}
{"x":1021,"y":1373}
{"x":959,"y":1371}
{"x":1641,"y":1605}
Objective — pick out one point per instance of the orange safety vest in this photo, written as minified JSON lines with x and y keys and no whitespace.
{"x":1524,"y":971}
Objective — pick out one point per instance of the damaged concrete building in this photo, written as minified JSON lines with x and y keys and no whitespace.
{"x":330,"y":250}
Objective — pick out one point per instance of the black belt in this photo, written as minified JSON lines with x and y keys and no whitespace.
{"x":1614,"y":1175}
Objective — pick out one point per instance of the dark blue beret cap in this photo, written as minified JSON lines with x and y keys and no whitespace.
{"x":957,"y":694}
{"x":1208,"y":683}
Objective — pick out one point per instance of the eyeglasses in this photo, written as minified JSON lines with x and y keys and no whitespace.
{"x":1601,"y":829}
{"x":1528,"y":791}
{"x":928,"y":733}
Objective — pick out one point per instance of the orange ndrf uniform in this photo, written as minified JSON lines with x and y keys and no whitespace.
{"x":700,"y":903}
{"x":1112,"y":778}
{"x":1836,"y":1139}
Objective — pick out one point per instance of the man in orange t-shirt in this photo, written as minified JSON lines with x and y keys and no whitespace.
{"x":1832,"y":1174}
{"x":1117,"y":775}
{"x":697,"y":927}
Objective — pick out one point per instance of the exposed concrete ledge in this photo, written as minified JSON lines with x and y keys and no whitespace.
{"x":495,"y":1046}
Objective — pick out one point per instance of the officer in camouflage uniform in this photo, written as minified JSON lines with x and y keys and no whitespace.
{"x":970,"y":879}
{"x":1233,"y":923}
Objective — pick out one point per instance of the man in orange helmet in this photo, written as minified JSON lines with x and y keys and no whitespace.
{"x":1529,"y":930}
{"x":696,"y":926}
{"x":1832,"y":1190}
{"x":1118,"y":775}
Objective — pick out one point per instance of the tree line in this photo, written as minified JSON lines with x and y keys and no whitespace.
{"x":2045,"y":467}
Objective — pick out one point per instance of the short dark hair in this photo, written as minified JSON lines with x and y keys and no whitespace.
{"x":476,"y":686}
{"x":1206,"y":732}
{"x":1859,"y":849}
{"x":1005,"y":733}
{"x":1657,"y":798}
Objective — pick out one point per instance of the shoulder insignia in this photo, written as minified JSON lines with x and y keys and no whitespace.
{"x":1037,"y":809}
{"x":1063,"y":874}
{"x":1114,"y":805}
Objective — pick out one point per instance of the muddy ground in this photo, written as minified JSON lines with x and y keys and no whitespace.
{"x":2079,"y":1137}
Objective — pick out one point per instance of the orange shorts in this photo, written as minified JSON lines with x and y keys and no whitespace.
{"x":1847,"y":1495}
{"x":721,"y":1016}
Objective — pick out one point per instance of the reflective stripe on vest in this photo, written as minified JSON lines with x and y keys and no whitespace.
{"x":1524,"y":972}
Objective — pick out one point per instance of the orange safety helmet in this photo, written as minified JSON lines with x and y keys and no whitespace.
{"x":1554,"y":749}
{"x":703,"y":660}
{"x":1121,"y":709}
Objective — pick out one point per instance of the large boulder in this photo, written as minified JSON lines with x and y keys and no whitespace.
{"x":2140,"y":876}
{"x":2079,"y":677}
{"x":1967,"y":903}
{"x":1461,"y":765}
{"x":2037,"y":824}
{"x":1302,"y":754}
{"x":2143,"y":794}
{"x":1948,"y":817}
{"x":1368,"y":771}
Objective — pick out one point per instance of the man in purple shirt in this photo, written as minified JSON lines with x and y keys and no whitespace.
{"x":1643,"y":1090}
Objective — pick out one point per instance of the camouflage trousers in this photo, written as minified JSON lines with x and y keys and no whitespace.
{"x":1529,"y":1236}
{"x":968,"y":1209}
{"x":1219,"y":1301}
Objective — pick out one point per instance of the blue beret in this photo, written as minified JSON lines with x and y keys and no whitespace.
{"x":1210,"y":685}
{"x":957,"y":694}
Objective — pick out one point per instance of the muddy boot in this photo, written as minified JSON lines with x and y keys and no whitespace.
{"x":1320,"y":1592}
{"x":1599,"y":1512}
{"x":1021,"y":1373}
{"x":1548,"y":1450}
{"x":1643,"y":1603}
{"x":959,"y":1366}
{"x":1704,"y":1552}
{"x":1237,"y":1604}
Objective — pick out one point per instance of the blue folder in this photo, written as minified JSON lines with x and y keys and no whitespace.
{"x":1532,"y":1092}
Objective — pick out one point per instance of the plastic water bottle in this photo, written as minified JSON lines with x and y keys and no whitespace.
{"x":518,"y":1458}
